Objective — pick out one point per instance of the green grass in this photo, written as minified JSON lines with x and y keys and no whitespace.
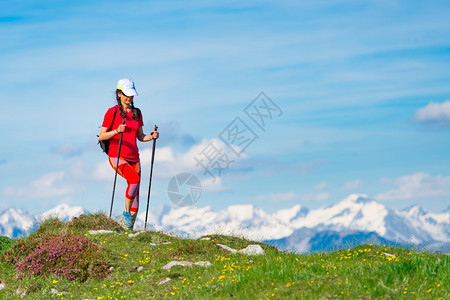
{"x":5,"y":243}
{"x":363,"y":272}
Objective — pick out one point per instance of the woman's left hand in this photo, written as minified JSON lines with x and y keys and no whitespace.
{"x":155,"y":134}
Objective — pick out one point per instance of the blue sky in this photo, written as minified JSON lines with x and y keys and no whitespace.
{"x":363,"y":88}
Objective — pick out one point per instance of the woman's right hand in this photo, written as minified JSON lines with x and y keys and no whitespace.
{"x":121,"y":128}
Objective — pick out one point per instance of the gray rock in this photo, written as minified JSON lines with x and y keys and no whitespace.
{"x":249,"y":250}
{"x":135,"y":234}
{"x":227,"y":248}
{"x":21,"y":292}
{"x":186,"y":264}
{"x":203,"y":264}
{"x":252,"y":250}
{"x":163,"y":281}
{"x":177,"y":263}
{"x":101,"y":231}
{"x":137,"y":269}
{"x":165,"y":243}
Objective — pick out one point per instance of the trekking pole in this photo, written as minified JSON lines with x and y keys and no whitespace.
{"x":150,"y":183}
{"x":117,"y":167}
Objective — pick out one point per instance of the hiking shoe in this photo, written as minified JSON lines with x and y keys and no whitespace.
{"x":124,"y":227}
{"x":126,"y":219}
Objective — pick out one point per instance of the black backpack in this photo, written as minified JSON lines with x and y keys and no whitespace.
{"x":105,"y":144}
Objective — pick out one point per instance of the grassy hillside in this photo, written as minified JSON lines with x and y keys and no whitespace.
{"x":65,"y":261}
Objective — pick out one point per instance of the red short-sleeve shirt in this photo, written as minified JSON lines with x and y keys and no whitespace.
{"x":129,"y":150}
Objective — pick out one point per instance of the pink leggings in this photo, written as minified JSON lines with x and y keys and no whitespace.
{"x":131,"y":171}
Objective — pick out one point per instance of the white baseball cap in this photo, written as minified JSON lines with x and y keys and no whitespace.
{"x":127,"y":87}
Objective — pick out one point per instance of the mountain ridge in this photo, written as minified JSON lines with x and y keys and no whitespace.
{"x":356,"y":217}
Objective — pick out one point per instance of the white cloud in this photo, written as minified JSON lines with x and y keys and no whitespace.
{"x":323,"y":196}
{"x":353,"y":184}
{"x":77,"y":176}
{"x":169,"y":163}
{"x":418,"y":185}
{"x":67,"y":150}
{"x":208,"y":185}
{"x":103,"y":171}
{"x":323,"y":186}
{"x":48,"y":185}
{"x":434,"y":112}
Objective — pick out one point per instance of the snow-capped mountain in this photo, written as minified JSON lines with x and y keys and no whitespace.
{"x":238,"y":220}
{"x":306,"y":240}
{"x":356,"y":219}
{"x":16,"y":222}
{"x":63,"y":212}
{"x":360,"y":213}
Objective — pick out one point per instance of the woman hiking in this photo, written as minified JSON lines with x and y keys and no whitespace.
{"x":129,"y":163}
